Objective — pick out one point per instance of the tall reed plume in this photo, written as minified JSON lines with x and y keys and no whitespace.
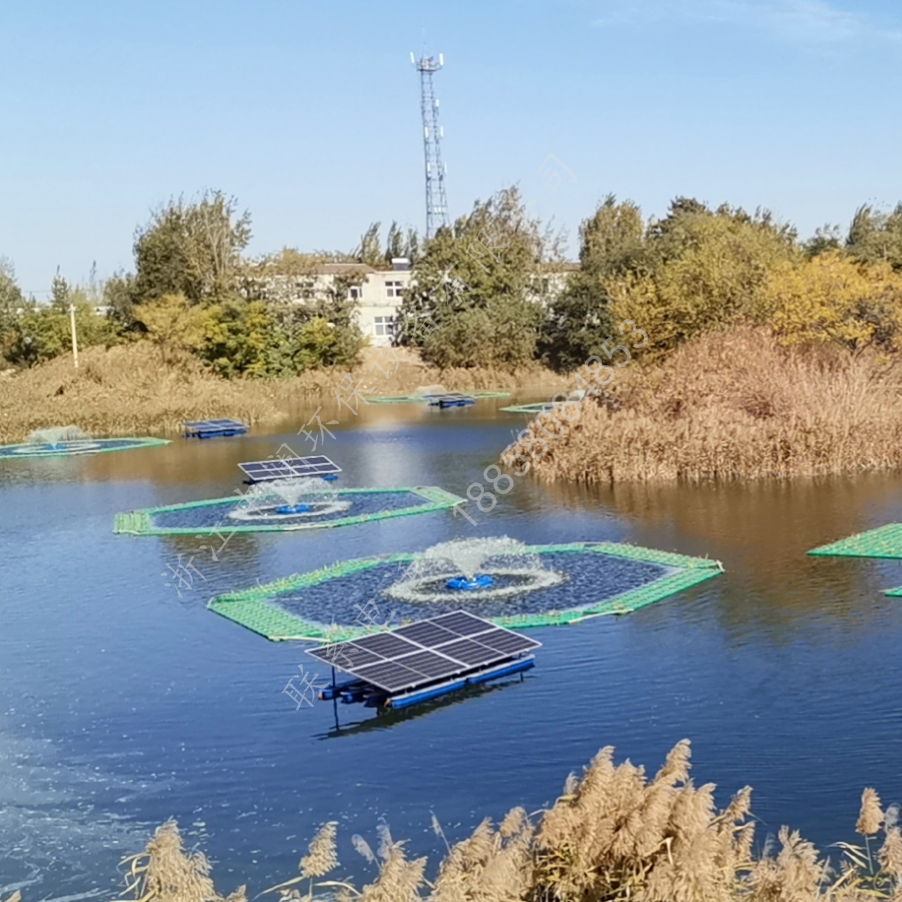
{"x":612,"y":836}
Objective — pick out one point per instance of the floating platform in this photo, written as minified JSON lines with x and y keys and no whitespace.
{"x":214,"y":428}
{"x":531,"y":409}
{"x":453,"y":399}
{"x":318,"y":466}
{"x":602,"y":578}
{"x":883,"y":542}
{"x":77,"y":447}
{"x":478,"y":395}
{"x":424,"y":660}
{"x":365,"y":506}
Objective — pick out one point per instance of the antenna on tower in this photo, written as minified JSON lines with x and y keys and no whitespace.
{"x":436,"y":204}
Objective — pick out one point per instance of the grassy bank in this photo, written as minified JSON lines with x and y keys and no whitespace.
{"x":734,"y":405}
{"x":129,"y":390}
{"x":612,"y":835}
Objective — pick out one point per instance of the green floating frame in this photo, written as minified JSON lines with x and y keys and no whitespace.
{"x":139,"y":523}
{"x":25,"y":455}
{"x":883,"y":542}
{"x":531,"y":409}
{"x":407,"y":399}
{"x":250,"y":608}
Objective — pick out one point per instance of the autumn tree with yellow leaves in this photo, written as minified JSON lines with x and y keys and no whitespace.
{"x":836,"y":299}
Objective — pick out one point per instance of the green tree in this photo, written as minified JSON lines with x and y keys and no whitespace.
{"x":876,"y":237}
{"x":579,"y":320}
{"x":191,"y":248}
{"x":11,"y":301}
{"x":484,"y":284}
{"x":369,"y":250}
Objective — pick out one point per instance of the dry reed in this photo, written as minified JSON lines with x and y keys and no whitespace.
{"x":731,"y":405}
{"x":612,"y":836}
{"x":129,"y":390}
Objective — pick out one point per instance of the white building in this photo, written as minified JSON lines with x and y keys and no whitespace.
{"x":379,"y":293}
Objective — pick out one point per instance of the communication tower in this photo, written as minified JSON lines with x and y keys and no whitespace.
{"x":436,"y":204}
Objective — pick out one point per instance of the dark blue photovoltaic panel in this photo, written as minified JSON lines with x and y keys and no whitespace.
{"x":208,"y":425}
{"x":422,"y":652}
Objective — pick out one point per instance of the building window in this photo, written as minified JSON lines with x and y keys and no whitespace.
{"x":384,"y":325}
{"x":355,"y":293}
{"x":393,"y":289}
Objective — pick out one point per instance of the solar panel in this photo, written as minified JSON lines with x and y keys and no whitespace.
{"x":470,"y":653}
{"x":215,"y":424}
{"x":427,"y":663}
{"x":289,"y":468}
{"x":345,"y":655}
{"x":386,"y":645}
{"x":463,"y":624}
{"x":425,"y":633}
{"x":389,"y":676}
{"x":435,"y":649}
{"x":503,"y":641}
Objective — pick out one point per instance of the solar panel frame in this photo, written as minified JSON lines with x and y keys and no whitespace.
{"x":199,"y":425}
{"x":290,"y":468}
{"x":388,"y":659}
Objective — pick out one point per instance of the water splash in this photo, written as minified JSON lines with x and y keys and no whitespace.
{"x":488,"y":569}
{"x":56,"y":435}
{"x":301,"y":497}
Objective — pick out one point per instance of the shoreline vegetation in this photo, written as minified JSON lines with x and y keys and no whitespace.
{"x":763,"y":356}
{"x":128,"y":390}
{"x":734,"y":404}
{"x":613,"y":835}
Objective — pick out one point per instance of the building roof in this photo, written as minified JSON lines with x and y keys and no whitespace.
{"x":337,"y":269}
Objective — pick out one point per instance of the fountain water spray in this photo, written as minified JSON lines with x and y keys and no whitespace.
{"x":483,"y":568}
{"x":307,"y":496}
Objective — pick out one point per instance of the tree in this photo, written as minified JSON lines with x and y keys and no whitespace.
{"x":193,"y":249}
{"x":11,"y":301}
{"x":369,"y":250}
{"x":826,"y":238}
{"x":579,"y":321}
{"x":172,"y":323}
{"x":704,"y":271}
{"x":833,"y":298}
{"x":876,"y":237}
{"x":484,"y":286}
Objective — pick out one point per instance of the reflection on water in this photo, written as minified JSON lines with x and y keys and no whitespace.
{"x":126,"y":705}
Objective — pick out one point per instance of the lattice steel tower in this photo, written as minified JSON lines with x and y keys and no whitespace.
{"x":436,"y":204}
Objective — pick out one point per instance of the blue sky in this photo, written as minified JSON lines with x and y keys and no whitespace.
{"x":308,"y":112}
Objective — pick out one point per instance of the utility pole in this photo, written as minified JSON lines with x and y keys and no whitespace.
{"x":436,"y":204}
{"x":74,"y":337}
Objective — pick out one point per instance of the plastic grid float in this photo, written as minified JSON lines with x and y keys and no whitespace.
{"x":531,"y":409}
{"x":76,"y":448}
{"x":884,"y":542}
{"x":140,"y":522}
{"x":251,"y":608}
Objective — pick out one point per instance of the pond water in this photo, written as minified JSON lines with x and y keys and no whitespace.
{"x":122,"y":705}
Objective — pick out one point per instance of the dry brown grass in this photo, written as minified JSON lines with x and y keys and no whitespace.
{"x":613,"y":836}
{"x":128,"y":390}
{"x":734,"y":405}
